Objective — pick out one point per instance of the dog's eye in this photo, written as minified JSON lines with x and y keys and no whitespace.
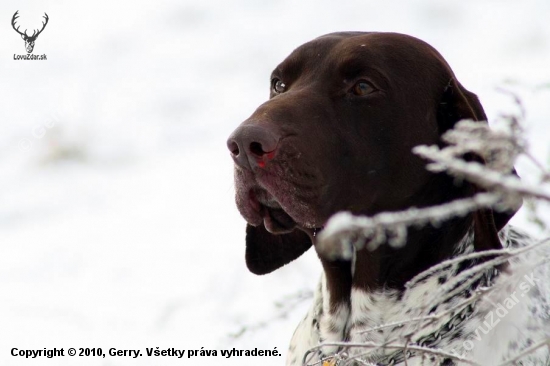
{"x":362,"y":88}
{"x":278,"y":86}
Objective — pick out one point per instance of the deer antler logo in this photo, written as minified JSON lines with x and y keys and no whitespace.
{"x":29,"y":40}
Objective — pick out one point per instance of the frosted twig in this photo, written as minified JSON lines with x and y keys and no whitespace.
{"x":344,"y":230}
{"x":466,"y":278}
{"x":429,"y":318}
{"x":479,"y":174}
{"x":509,"y":253}
{"x":396,"y":346}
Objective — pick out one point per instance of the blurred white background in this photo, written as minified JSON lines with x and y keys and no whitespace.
{"x":117,"y":222}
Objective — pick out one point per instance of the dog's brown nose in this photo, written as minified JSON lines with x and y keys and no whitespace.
{"x":252,"y":146}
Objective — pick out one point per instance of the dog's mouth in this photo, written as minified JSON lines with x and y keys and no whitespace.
{"x":275,"y":218}
{"x":281,"y":206}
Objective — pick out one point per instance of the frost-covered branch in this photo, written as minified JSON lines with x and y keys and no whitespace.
{"x":479,"y":174}
{"x":343,"y":355}
{"x":345,"y":231}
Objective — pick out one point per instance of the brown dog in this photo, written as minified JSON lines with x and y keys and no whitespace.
{"x":344,"y":113}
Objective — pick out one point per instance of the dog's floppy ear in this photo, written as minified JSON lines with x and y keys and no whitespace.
{"x":266,"y":252}
{"x":458,"y":104}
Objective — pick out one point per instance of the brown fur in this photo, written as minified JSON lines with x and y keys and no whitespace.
{"x":316,"y":148}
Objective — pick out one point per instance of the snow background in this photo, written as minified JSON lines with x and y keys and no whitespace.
{"x":117,"y":221}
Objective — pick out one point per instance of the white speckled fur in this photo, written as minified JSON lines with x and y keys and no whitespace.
{"x":524,"y":324}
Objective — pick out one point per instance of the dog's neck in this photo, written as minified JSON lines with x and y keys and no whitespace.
{"x":390,"y":268}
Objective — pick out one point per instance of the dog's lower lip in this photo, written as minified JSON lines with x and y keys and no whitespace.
{"x":277,"y":221}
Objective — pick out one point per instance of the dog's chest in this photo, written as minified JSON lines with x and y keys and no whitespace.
{"x":388,"y":316}
{"x":376,"y":318}
{"x":456,"y":322}
{"x":380,"y":316}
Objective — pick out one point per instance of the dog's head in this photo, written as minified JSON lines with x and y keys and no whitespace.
{"x":344,"y":113}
